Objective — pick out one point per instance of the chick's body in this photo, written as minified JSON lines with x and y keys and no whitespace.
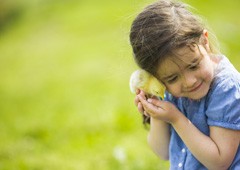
{"x":140,"y":79}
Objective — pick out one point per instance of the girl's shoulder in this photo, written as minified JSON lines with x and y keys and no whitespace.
{"x":226,"y":77}
{"x":226,"y":81}
{"x":223,"y":99}
{"x":225,"y":72}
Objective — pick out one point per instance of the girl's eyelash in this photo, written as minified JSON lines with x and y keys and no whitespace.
{"x":194,"y":66}
{"x":172,"y":80}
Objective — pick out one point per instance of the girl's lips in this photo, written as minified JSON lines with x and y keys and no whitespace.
{"x":196,"y":88}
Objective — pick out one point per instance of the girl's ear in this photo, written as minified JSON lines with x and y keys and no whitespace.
{"x":204,"y":40}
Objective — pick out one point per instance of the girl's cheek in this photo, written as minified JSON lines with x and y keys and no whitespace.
{"x":174,"y":90}
{"x":207,"y":75}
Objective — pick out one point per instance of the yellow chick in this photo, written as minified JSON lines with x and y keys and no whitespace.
{"x":141,"y":79}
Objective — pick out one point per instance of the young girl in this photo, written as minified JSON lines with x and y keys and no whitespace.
{"x":197,"y":125}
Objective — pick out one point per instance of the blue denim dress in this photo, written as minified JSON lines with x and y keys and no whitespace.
{"x":220,"y":107}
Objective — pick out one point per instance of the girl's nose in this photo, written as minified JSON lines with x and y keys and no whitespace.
{"x":189,"y":80}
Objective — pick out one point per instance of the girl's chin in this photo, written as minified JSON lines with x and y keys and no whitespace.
{"x":199,"y":95}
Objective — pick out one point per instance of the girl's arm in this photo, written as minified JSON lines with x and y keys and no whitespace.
{"x":159,"y":134}
{"x":216,"y":151}
{"x":158,"y":138}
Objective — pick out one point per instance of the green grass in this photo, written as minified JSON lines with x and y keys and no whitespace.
{"x":64,"y":96}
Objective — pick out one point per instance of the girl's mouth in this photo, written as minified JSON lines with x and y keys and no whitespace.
{"x":196,"y":88}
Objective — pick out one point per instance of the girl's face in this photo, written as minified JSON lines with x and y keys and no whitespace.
{"x":189,"y":73}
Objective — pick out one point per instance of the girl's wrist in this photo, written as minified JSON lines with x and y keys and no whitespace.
{"x":156,"y":121}
{"x":180,"y":117}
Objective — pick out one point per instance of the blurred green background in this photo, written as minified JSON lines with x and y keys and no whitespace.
{"x":64,"y":95}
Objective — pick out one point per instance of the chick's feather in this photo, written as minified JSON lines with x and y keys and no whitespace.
{"x":141,"y":79}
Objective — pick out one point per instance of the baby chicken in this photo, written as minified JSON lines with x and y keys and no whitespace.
{"x":141,"y":79}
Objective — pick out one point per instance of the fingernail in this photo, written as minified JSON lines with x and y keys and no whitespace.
{"x":149,"y":100}
{"x":137,"y":91}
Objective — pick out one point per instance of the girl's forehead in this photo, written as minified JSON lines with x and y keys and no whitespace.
{"x":167,"y":67}
{"x":178,"y":61}
{"x":185,"y":53}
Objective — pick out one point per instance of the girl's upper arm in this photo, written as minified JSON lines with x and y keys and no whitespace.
{"x":227,"y":141}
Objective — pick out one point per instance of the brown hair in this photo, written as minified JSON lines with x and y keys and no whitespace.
{"x":161,"y":28}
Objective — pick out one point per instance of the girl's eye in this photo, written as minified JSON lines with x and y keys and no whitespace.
{"x":194,"y":67}
{"x":172,"y":80}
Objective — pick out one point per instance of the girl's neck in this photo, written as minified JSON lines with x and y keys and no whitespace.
{"x":215,"y":60}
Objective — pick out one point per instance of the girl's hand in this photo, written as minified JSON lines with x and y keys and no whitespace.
{"x":138,"y":102}
{"x":159,"y":109}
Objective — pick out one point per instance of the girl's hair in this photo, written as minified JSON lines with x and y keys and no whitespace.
{"x":160,"y":29}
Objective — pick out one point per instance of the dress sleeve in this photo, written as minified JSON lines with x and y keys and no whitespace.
{"x":223,"y":107}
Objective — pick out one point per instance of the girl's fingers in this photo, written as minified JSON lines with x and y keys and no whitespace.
{"x":137,"y":91}
{"x":139,"y":105}
{"x":156,"y":102}
{"x":136,"y":101}
{"x":148,"y":106}
{"x":146,"y":114}
{"x":142,"y":94}
{"x":140,"y":108}
{"x":155,"y":97}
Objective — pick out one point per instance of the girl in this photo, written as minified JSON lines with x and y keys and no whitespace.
{"x":197,"y":126}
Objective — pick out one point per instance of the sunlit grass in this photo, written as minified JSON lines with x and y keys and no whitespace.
{"x":65,"y":101}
